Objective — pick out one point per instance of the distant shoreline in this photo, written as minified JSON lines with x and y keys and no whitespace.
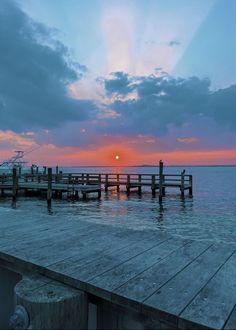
{"x":73,"y":166}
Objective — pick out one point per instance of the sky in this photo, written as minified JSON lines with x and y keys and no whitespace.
{"x":82,"y":82}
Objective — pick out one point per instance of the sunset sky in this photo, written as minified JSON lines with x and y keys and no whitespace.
{"x":86,"y":81}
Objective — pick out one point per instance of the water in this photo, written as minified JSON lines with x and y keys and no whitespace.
{"x":209,"y":215}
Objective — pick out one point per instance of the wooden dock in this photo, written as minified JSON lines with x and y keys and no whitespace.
{"x":135,"y":279}
{"x":85,"y":183}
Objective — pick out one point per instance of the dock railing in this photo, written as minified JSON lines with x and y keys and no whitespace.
{"x":94,"y":181}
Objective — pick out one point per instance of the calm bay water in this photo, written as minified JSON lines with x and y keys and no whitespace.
{"x":209,"y":215}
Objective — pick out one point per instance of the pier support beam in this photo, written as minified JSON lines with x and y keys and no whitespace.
{"x":52,"y":305}
{"x":49,"y":191}
{"x":161,"y":180}
{"x":191,"y":185}
{"x":8,"y":280}
{"x":14,"y":184}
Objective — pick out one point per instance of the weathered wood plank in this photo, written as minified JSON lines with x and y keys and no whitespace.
{"x":111,"y":259}
{"x":119,"y":275}
{"x":175,"y":295}
{"x":144,"y":285}
{"x":214,"y":303}
{"x":231,"y":322}
{"x":114,"y":243}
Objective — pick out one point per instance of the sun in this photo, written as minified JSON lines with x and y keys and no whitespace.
{"x":117,"y":157}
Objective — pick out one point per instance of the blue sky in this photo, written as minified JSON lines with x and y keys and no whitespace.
{"x":147,"y":78}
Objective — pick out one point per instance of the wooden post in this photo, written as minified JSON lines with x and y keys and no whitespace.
{"x":106,"y":183}
{"x":182,"y":183}
{"x":140,"y":187}
{"x":160,"y":180}
{"x":32,"y":173}
{"x":14,"y":183}
{"x":128,"y":184}
{"x":49,"y":191}
{"x":44,"y":170}
{"x":118,"y":179}
{"x":153,"y":187}
{"x":191,"y":185}
{"x":99,"y":193}
{"x":50,"y":305}
{"x":8,"y":280}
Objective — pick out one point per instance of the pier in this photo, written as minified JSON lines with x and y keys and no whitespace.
{"x":77,"y":275}
{"x":75,"y":184}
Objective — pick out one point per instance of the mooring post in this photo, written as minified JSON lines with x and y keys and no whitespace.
{"x":117,"y":180}
{"x":45,"y":304}
{"x":182,"y":183}
{"x":191,"y":185}
{"x":160,"y":180}
{"x":153,"y":185}
{"x":128,"y":184}
{"x":8,"y":280}
{"x":139,"y":181}
{"x":106,"y":183}
{"x":32,"y":173}
{"x":49,"y":191}
{"x":14,"y":183}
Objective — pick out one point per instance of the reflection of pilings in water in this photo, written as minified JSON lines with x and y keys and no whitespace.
{"x":186,"y":204}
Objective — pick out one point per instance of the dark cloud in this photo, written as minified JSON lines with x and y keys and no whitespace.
{"x":163,"y":100}
{"x":35,"y":70}
{"x":120,"y":83}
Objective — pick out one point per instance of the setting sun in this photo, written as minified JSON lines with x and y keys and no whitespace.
{"x":117,"y":157}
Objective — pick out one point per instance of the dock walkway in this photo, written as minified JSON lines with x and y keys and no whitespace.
{"x":86,"y":183}
{"x":165,"y":281}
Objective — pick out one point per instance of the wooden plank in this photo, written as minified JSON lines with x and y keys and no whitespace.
{"x":144,"y":285}
{"x":119,"y":275}
{"x":231,"y":322}
{"x":214,"y":303}
{"x":115,"y":242}
{"x":174,"y":296}
{"x":110,"y":259}
{"x":32,"y":236}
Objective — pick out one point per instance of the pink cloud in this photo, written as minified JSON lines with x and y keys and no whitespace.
{"x":189,"y":140}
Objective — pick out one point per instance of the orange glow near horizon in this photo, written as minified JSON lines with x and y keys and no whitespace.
{"x":50,"y":155}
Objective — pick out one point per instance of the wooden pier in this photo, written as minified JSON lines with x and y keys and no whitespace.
{"x":85,"y":183}
{"x":128,"y":279}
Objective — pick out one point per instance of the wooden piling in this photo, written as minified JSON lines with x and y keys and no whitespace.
{"x":153,"y":187}
{"x":49,"y":191}
{"x":160,"y":180}
{"x":14,"y":183}
{"x":128,"y":184}
{"x":191,"y":185}
{"x":182,"y":183}
{"x":139,"y":187}
{"x":118,"y":179}
{"x":51,"y":305}
{"x":44,"y":170}
{"x":106,"y":182}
